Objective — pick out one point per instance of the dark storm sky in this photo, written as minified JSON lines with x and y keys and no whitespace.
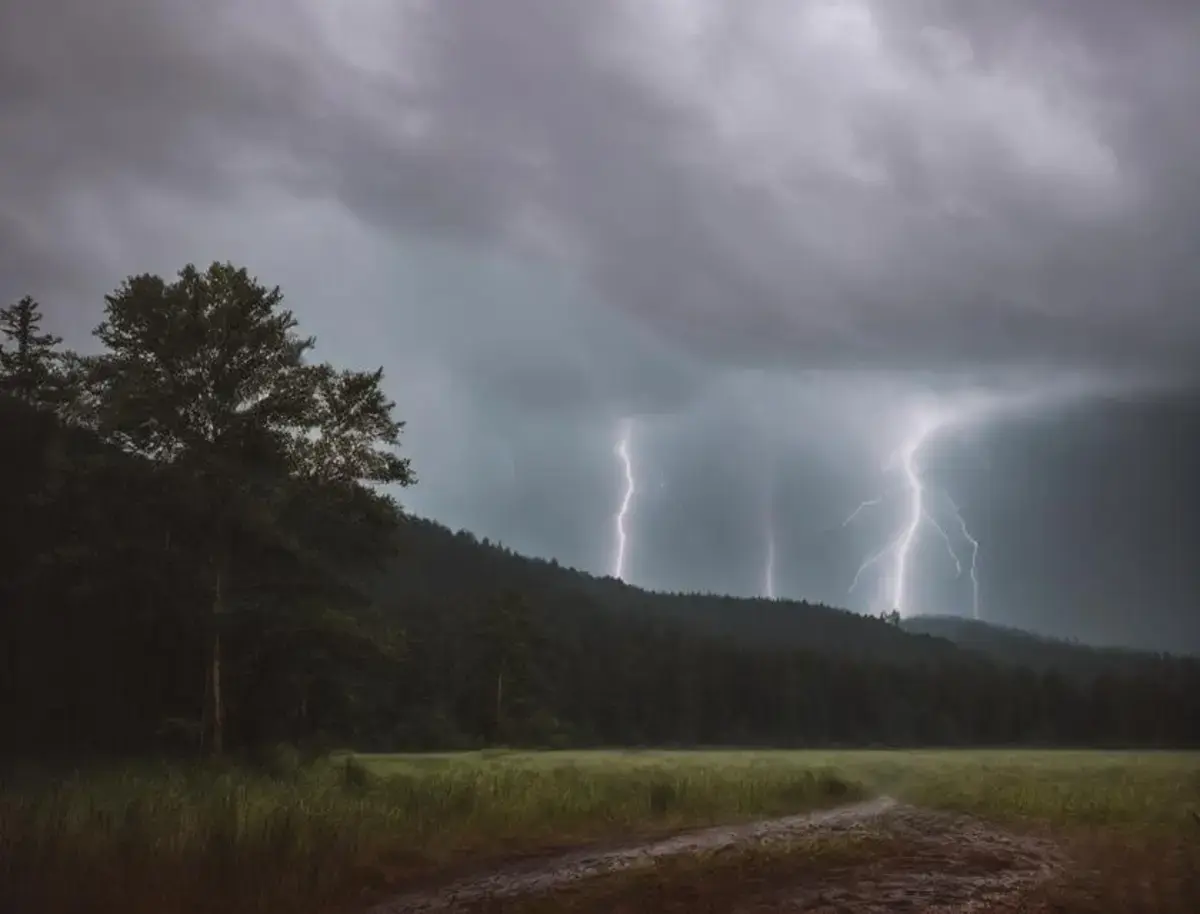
{"x":774,"y":232}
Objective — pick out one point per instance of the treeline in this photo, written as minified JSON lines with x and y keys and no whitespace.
{"x":197,"y":554}
{"x":595,"y":662}
{"x":1038,"y":652}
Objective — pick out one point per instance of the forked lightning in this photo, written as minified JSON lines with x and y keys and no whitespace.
{"x":900,"y":548}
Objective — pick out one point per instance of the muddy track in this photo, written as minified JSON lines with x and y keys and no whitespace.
{"x":946,"y":864}
{"x":950,"y":863}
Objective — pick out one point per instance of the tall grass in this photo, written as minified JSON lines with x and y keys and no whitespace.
{"x":1151,"y":793}
{"x":286,"y":837}
{"x":196,"y":840}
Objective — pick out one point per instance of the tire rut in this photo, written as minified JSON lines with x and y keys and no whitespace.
{"x":949,"y":863}
{"x":547,"y":875}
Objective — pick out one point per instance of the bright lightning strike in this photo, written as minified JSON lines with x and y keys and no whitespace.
{"x":968,"y":409}
{"x":622,"y":452}
{"x":916,"y":512}
{"x":899,"y":549}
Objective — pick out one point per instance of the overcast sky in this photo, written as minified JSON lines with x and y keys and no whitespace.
{"x":774,"y":233}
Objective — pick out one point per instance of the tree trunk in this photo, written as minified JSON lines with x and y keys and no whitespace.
{"x":499,"y":705}
{"x":218,"y":703}
{"x":214,"y":707}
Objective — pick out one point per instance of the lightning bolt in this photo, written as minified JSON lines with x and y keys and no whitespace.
{"x":900,"y":548}
{"x":874,"y":559}
{"x":967,"y":408}
{"x":962,"y":524}
{"x":625,"y":434}
{"x":916,"y":512}
{"x":949,"y":545}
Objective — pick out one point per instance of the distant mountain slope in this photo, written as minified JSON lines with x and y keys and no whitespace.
{"x":1021,"y":648}
{"x":436,"y":562}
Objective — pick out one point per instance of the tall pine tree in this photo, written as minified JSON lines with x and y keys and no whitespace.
{"x":29,"y":361}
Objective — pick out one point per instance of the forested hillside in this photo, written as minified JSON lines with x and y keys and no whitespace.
{"x":432,"y":560}
{"x":197,"y":556}
{"x":1015,"y":647}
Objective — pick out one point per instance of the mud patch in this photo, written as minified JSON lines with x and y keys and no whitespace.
{"x":943,"y":864}
{"x":935,"y":862}
{"x":547,"y":875}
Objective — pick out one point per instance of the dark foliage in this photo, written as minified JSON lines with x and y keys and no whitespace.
{"x":29,"y":361}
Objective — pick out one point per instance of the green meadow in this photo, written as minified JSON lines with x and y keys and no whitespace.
{"x":332,"y":834}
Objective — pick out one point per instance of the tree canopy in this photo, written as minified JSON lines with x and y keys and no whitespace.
{"x":205,"y":382}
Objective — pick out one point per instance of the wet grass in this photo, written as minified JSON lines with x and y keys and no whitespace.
{"x":1139,"y":791}
{"x":1147,"y":792}
{"x":297,"y":839}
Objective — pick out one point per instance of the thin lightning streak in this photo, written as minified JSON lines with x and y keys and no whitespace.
{"x":768,"y":509}
{"x":622,"y":452}
{"x":962,"y":524}
{"x":859,"y":510}
{"x":949,"y":545}
{"x":871,"y":561}
{"x":769,"y":572}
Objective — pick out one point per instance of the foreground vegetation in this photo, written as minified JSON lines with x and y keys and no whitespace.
{"x":342,"y":831}
{"x":305,"y":838}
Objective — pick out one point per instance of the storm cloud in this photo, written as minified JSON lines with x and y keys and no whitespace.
{"x":763,"y":228}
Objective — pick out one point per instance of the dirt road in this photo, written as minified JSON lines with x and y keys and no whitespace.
{"x":949,"y":863}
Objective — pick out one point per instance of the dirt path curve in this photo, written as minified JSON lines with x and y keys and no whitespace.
{"x":950,"y":864}
{"x":551,"y":874}
{"x":944,"y":864}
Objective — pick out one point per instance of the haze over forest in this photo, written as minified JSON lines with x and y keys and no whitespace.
{"x":770,"y":236}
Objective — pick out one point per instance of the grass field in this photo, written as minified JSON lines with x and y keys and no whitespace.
{"x":162,"y":839}
{"x":1149,"y":791}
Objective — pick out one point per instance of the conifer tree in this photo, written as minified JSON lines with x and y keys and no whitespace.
{"x":29,"y":362}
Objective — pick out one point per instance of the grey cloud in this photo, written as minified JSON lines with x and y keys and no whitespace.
{"x":102,"y":102}
{"x":1022,"y":190}
{"x":128,"y":91}
{"x":1030,"y":239}
{"x":146,"y":100}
